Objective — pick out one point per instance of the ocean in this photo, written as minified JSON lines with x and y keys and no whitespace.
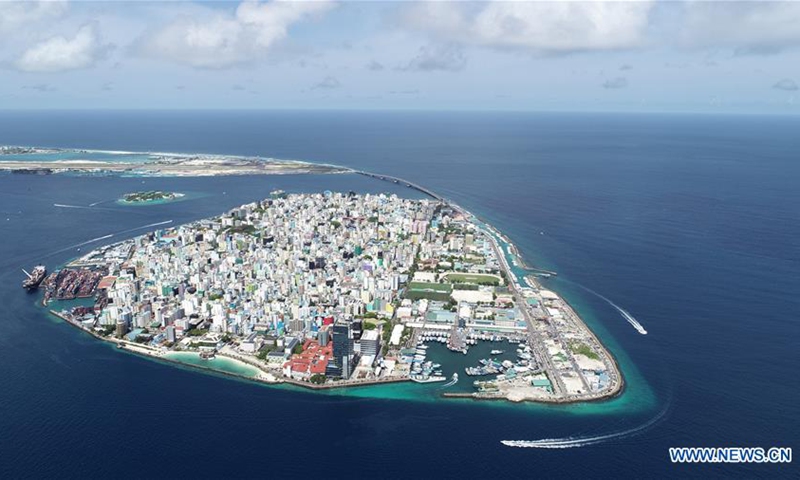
{"x":690,"y":223}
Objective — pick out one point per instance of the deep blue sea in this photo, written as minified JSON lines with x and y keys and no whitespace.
{"x":690,"y":223}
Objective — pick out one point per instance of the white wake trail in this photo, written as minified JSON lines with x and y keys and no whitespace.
{"x":83,"y":207}
{"x":61,"y":205}
{"x":625,"y":314}
{"x":575,"y":442}
{"x":77,"y":245}
{"x":157,"y":224}
{"x":450,"y":383}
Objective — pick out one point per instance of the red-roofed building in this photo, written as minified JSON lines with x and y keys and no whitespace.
{"x":106,"y":282}
{"x":311,"y":361}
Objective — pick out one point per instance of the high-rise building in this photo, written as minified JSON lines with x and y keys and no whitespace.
{"x":323,"y":336}
{"x":356,"y":328}
{"x":171,"y":334}
{"x":370,"y":343}
{"x":341,"y":365}
{"x":122,"y":328}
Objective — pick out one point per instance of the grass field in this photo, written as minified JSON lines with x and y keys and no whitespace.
{"x":479,"y":278}
{"x":430,"y":295}
{"x":431,"y":291}
{"x":583,"y":349}
{"x":439,"y":287}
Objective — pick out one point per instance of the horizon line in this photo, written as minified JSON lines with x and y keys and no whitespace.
{"x":410,"y":110}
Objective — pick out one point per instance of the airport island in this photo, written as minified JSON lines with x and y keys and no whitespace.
{"x":49,"y":161}
{"x":338,"y":290}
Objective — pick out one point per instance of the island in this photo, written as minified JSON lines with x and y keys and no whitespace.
{"x":37,"y":160}
{"x":149,"y":197}
{"x":339,"y":290}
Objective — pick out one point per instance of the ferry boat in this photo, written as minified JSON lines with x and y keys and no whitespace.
{"x":427,"y":378}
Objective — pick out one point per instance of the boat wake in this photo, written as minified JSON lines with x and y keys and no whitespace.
{"x":90,"y":241}
{"x":104,"y":237}
{"x":625,"y":314}
{"x":157,"y":224}
{"x":575,"y":442}
{"x":83,"y":207}
{"x":638,"y":326}
{"x":450,"y":383}
{"x":61,"y":205}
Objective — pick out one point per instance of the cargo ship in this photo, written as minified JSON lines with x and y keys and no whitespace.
{"x":34,"y":278}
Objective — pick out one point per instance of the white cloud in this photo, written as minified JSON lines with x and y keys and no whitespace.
{"x":545,"y":27}
{"x":60,"y":53}
{"x":749,"y":27}
{"x":222,"y":40}
{"x":15,"y":15}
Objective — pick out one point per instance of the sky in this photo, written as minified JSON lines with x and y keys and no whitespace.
{"x":638,"y":56}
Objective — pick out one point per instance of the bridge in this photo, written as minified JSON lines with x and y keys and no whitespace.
{"x":398,"y":180}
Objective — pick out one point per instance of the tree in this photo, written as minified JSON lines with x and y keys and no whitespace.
{"x":318,"y":379}
{"x":262,"y":354}
{"x":298,"y":349}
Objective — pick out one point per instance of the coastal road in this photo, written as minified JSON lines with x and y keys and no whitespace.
{"x":534,"y":339}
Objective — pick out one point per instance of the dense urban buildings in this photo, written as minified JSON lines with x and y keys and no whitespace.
{"x":339,"y":289}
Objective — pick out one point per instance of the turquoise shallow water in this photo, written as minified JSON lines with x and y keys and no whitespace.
{"x":689,"y":223}
{"x":222,"y":364}
{"x":70,"y":155}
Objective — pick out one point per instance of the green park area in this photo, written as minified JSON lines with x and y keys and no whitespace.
{"x":476,"y":278}
{"x":431,"y":291}
{"x":583,"y":349}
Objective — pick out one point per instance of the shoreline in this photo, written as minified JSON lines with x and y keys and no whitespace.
{"x":145,"y":351}
{"x":158,"y":164}
{"x":619,"y":384}
{"x":493,"y":234}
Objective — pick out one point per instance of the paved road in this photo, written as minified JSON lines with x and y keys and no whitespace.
{"x":534,"y":339}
